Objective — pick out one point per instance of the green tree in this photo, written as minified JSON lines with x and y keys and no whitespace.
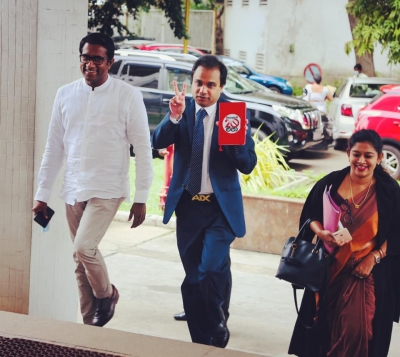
{"x":104,"y":15}
{"x":378,"y":22}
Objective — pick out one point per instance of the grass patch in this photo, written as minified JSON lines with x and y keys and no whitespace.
{"x":152,"y":206}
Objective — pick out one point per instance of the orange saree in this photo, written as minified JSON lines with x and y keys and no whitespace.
{"x":351,"y":300}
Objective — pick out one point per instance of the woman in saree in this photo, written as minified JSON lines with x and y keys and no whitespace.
{"x":353,"y":316}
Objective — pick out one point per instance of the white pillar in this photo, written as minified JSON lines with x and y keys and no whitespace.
{"x":61,"y":25}
{"x":38,"y":53}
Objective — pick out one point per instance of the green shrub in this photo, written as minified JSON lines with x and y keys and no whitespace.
{"x":271,"y":170}
{"x":297,"y":91}
{"x":152,"y":206}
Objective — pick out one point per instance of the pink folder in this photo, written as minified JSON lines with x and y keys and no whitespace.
{"x":331,"y":214}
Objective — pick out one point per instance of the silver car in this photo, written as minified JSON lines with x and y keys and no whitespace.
{"x":354,"y":94}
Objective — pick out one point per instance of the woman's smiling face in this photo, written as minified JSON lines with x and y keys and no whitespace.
{"x":363,"y":159}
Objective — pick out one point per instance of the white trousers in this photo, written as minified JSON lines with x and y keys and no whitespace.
{"x":88,"y":222}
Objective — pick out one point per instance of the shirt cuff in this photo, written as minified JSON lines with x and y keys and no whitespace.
{"x":141,"y":196}
{"x":43,"y":195}
{"x":175,"y":121}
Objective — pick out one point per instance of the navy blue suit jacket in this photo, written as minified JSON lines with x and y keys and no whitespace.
{"x":223,"y":166}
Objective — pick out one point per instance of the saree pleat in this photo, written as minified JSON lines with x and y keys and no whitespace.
{"x":351,"y":300}
{"x":351,"y":309}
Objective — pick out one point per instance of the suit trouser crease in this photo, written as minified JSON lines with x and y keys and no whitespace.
{"x":204,"y":237}
{"x":88,"y":222}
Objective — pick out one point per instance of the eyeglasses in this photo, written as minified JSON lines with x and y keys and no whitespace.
{"x":97,"y":60}
{"x":348,"y":217}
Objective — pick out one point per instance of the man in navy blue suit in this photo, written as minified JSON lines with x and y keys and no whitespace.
{"x":206,"y":197}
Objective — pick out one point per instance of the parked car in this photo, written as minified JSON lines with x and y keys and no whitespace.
{"x":182,"y":57}
{"x":293,"y":122}
{"x":276,"y":84}
{"x":138,"y":53}
{"x":170,"y":48}
{"x":354,"y":94}
{"x":382,"y":114}
{"x":129,"y":41}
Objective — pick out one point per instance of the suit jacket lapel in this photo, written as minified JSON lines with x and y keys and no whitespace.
{"x":214,"y":139}
{"x":190,"y":115}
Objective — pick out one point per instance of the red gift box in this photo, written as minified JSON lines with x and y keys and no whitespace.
{"x":232,"y":123}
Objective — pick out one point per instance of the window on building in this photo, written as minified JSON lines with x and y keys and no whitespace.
{"x":227,"y":52}
{"x":245,"y":2}
{"x":243,"y":56}
{"x":260,"y":61}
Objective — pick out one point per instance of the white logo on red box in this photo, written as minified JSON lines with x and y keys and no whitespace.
{"x":231,"y":123}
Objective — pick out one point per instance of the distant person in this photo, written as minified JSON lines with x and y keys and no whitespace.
{"x":355,"y":314}
{"x":358,"y":71}
{"x":94,"y":121}
{"x":206,"y":197}
{"x":318,"y":95}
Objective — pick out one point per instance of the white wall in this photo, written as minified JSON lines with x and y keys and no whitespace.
{"x":246,"y":30}
{"x":318,"y":29}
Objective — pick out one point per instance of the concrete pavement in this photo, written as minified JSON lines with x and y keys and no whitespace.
{"x":145,"y":266}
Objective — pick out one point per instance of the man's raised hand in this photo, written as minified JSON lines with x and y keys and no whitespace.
{"x":177,"y":103}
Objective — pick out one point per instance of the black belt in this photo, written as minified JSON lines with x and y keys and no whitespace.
{"x":200,"y":197}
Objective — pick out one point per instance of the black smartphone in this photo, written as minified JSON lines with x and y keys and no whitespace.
{"x":40,"y":218}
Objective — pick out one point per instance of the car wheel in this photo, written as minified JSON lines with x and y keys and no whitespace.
{"x":275,"y":89}
{"x":391,"y":161}
{"x":340,"y":144}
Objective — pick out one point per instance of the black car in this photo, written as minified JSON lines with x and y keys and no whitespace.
{"x":293,"y":122}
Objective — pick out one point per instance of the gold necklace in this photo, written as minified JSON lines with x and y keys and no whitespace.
{"x":356,"y":206}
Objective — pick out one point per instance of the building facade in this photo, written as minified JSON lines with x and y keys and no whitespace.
{"x":281,"y":37}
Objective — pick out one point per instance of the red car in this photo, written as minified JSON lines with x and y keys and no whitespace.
{"x":382,"y":114}
{"x":170,"y":48}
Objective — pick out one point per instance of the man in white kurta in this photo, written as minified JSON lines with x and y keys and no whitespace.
{"x":94,"y":121}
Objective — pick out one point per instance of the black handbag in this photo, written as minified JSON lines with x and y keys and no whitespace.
{"x":303,"y":263}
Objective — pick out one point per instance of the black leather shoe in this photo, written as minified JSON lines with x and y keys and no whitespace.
{"x":220,"y":337}
{"x":180,"y":317}
{"x":105,"y":309}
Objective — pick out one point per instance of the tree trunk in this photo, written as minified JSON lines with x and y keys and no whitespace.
{"x":219,"y":33}
{"x":367,"y":60}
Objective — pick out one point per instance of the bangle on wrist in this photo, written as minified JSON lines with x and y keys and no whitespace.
{"x":381,"y":253}
{"x":377,"y":257}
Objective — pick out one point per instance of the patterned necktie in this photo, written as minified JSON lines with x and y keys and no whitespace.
{"x":196,"y":159}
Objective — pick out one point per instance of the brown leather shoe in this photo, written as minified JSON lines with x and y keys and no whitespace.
{"x":105,"y":308}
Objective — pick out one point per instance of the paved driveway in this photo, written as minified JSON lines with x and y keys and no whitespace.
{"x":145,"y":266}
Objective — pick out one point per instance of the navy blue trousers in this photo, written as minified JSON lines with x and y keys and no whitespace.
{"x":204,"y":238}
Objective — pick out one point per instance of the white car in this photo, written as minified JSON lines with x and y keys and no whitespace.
{"x":354,"y":94}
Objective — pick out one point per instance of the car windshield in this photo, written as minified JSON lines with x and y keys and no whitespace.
{"x":235,"y":84}
{"x":258,"y":86}
{"x":365,"y":90}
